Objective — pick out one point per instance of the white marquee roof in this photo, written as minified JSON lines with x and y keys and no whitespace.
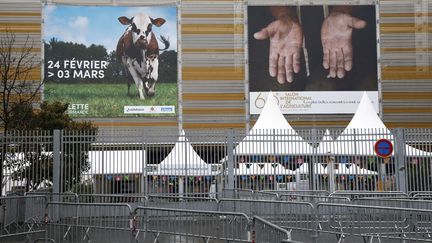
{"x":183,"y":160}
{"x":365,"y":121}
{"x":272,"y":134}
{"x":267,"y":169}
{"x":353,"y":169}
{"x":304,"y":169}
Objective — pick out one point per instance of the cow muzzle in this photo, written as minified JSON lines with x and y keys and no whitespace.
{"x":141,"y":43}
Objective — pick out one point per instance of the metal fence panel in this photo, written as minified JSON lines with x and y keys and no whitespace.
{"x":180,"y":225}
{"x":27,"y":161}
{"x":291,"y":215}
{"x":374,"y":221}
{"x":176,"y":202}
{"x":391,"y":202}
{"x":83,"y":222}
{"x":266,"y":232}
{"x":208,"y":163}
{"x":21,"y":216}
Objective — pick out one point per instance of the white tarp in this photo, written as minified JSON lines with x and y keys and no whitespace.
{"x":304,"y":169}
{"x":272,"y":134}
{"x":353,"y":169}
{"x":184,"y":161}
{"x":343,"y":169}
{"x":116,"y":162}
{"x":267,"y":169}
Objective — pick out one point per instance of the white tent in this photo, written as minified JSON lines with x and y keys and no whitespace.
{"x":326,"y":143}
{"x":116,"y":162}
{"x":184,"y":161}
{"x":358,"y":137}
{"x":304,"y":169}
{"x":267,"y":169}
{"x":366,"y":123}
{"x":353,"y":169}
{"x":272,"y":134}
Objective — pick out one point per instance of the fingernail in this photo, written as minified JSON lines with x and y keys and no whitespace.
{"x":280,"y":80}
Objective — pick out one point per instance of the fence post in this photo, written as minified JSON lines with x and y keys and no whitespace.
{"x":400,"y":155}
{"x":144,"y":172}
{"x":230,"y":158}
{"x":313,"y":162}
{"x":56,"y":161}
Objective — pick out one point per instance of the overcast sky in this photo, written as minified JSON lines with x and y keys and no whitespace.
{"x":99,"y":24}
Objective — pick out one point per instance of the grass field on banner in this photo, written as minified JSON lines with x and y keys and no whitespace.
{"x":108,"y":100}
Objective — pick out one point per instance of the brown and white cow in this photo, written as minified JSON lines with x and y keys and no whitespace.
{"x":138,"y":49}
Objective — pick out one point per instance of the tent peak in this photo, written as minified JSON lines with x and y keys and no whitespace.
{"x":271,"y":116}
{"x":365,"y":115}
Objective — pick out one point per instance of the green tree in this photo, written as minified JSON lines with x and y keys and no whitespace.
{"x":30,"y":158}
{"x":115,"y":72}
{"x":58,"y":51}
{"x":168,"y":67}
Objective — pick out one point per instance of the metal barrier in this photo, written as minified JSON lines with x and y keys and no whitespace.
{"x":175,"y":225}
{"x":239,"y":220}
{"x":262,"y":195}
{"x":314,"y":198}
{"x":391,"y":202}
{"x":266,"y":232}
{"x":421,"y":194}
{"x":195,"y":203}
{"x":291,"y":215}
{"x":371,"y":222}
{"x":112,"y":198}
{"x":303,"y":192}
{"x":237,"y":193}
{"x":56,"y":197}
{"x":83,"y":222}
{"x":22,"y":216}
{"x":360,"y":194}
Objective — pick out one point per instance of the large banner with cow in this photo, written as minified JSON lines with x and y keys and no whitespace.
{"x":111,"y":61}
{"x":316,"y":59}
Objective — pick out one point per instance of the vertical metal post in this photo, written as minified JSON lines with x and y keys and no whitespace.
{"x":56,"y":161}
{"x":230,"y":158}
{"x":2,"y":159}
{"x":313,"y":163}
{"x":274,"y":156}
{"x":400,"y":163}
{"x":331,"y":178}
{"x":183,"y":145}
{"x":143,"y":176}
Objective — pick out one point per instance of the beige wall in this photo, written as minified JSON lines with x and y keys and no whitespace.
{"x":214,"y":92}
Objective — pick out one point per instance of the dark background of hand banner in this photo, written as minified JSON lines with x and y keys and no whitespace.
{"x":363,"y":75}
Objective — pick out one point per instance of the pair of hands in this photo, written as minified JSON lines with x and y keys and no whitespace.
{"x":286,"y":40}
